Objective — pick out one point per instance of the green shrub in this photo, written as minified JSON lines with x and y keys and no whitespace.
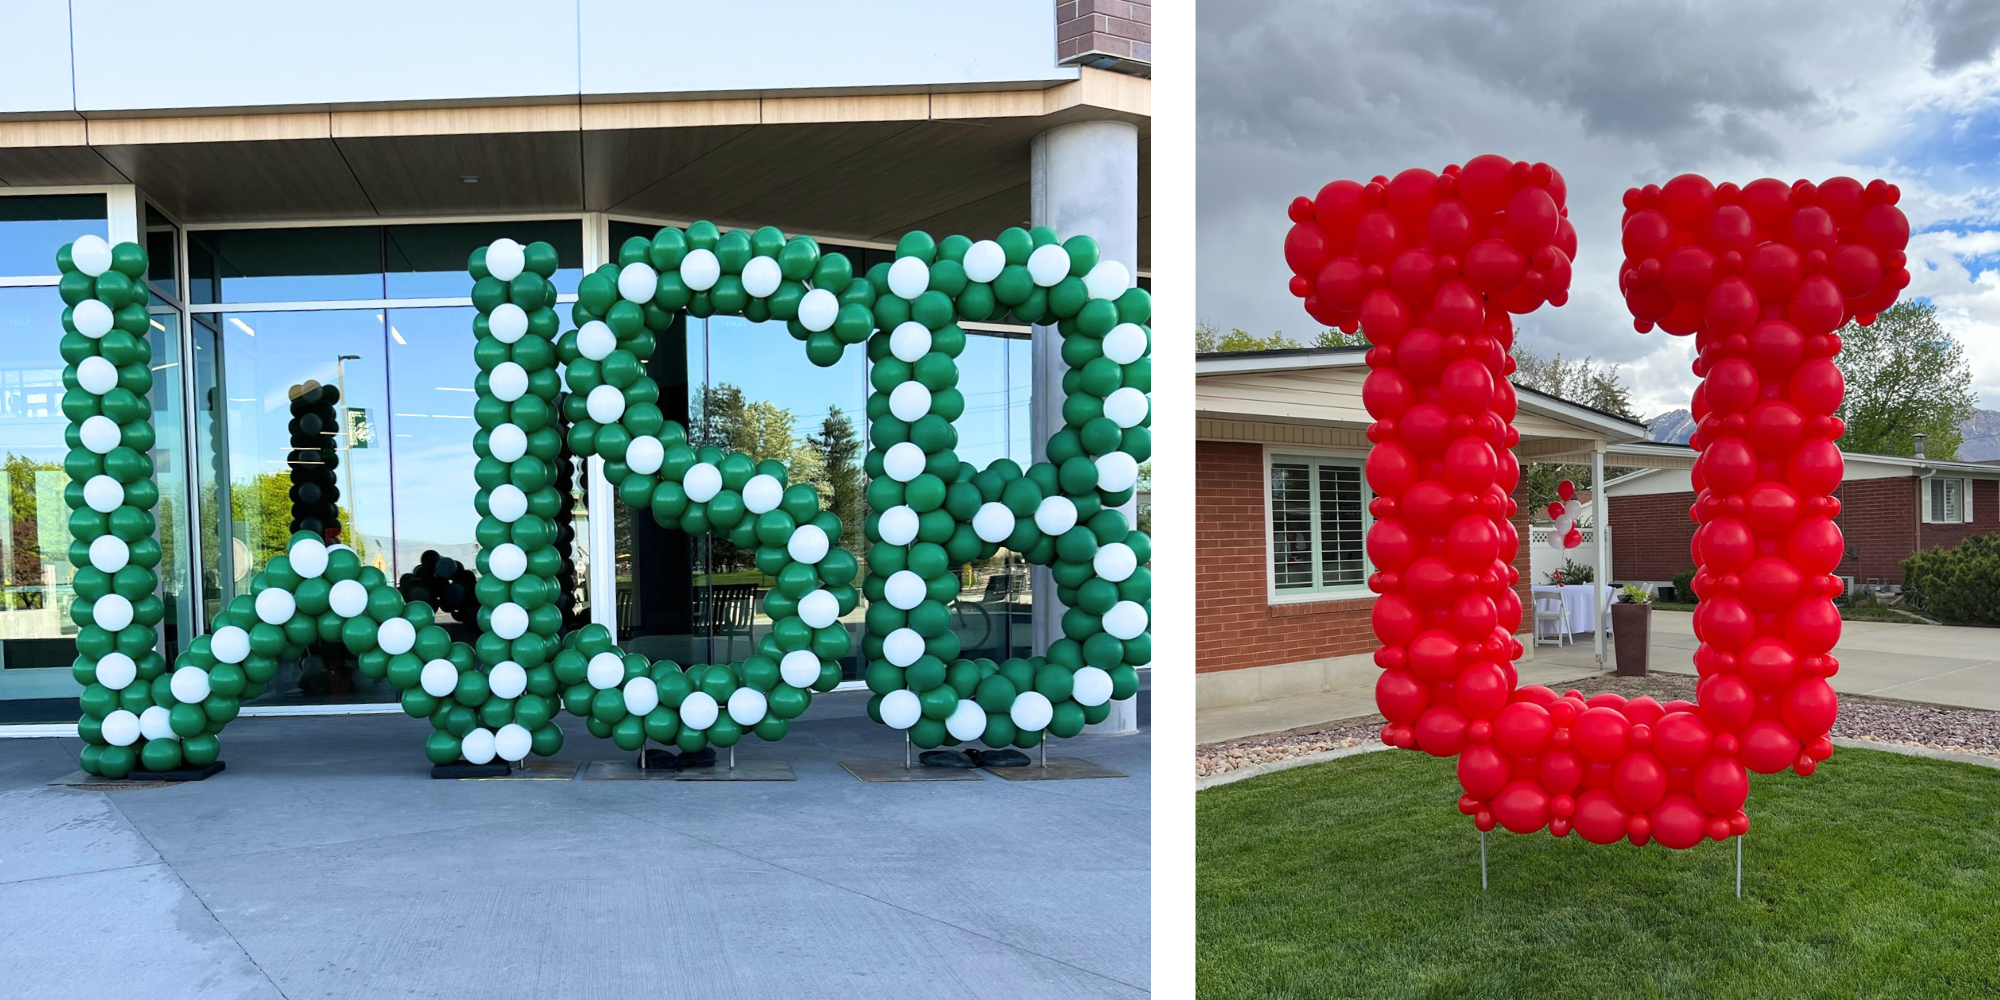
{"x":1574,"y":572}
{"x":1684,"y":587}
{"x":1957,"y":584}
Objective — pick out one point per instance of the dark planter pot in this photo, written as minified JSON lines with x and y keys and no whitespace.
{"x":1630,"y":625}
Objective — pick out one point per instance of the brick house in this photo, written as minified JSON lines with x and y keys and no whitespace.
{"x":1282,"y":607}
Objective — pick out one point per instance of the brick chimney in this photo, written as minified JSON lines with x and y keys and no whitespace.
{"x":1115,"y":35}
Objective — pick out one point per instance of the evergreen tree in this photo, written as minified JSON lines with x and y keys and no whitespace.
{"x":841,"y":483}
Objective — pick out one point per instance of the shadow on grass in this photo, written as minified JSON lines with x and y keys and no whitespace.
{"x":1879,"y":876}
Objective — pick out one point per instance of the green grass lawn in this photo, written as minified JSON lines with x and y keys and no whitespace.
{"x":1879,"y":876}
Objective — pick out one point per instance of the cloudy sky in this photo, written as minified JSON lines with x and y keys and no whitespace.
{"x":1294,"y":94}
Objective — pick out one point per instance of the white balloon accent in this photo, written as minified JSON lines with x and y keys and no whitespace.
{"x":479,"y":746}
{"x":513,"y":742}
{"x":439,"y":679}
{"x":507,"y":442}
{"x":507,"y":561}
{"x":818,"y":309}
{"x":984,"y":261}
{"x":510,"y":621}
{"x":700,"y":270}
{"x":909,"y":277}
{"x":967,"y":721}
{"x":800,"y":668}
{"x":109,"y":553}
{"x":100,"y":434}
{"x":1125,"y":620}
{"x":641,"y":695}
{"x":96,"y":375}
{"x":507,"y":502}
{"x":910,"y":341}
{"x":1117,"y":472}
{"x":90,"y":254}
{"x":113,"y":612}
{"x":747,"y":706}
{"x":901,"y":709}
{"x":606,"y":404}
{"x":903,"y":647}
{"x":348,"y":598}
{"x":190,"y":685}
{"x":229,"y":644}
{"x":1115,"y":561}
{"x":1573,"y":507}
{"x":308,"y":557}
{"x":910,"y":401}
{"x":1108,"y":280}
{"x":116,"y":671}
{"x":1125,"y":343}
{"x":506,"y":259}
{"x":761,"y":277}
{"x":898,"y":525}
{"x":1055,"y":515}
{"x":92,"y":318}
{"x":1048,"y":265}
{"x":903,"y":461}
{"x":699,"y":710}
{"x":702,"y":482}
{"x":762,"y":494}
{"x":156,"y":723}
{"x":103,"y":494}
{"x":819,"y":609}
{"x":508,"y":323}
{"x":645,"y":455}
{"x":1126,"y":407}
{"x":1090,"y":687}
{"x":808,"y":544}
{"x":509,"y":382}
{"x":507,"y":679}
{"x":606,"y":671}
{"x":904,"y":590}
{"x":275,"y":606}
{"x":396,"y":636}
{"x":994,"y":523}
{"x":1031,"y":711}
{"x":120,"y":728}
{"x":594,"y":340}
{"x":639,"y":283}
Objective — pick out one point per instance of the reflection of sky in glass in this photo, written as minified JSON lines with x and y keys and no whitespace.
{"x":330,"y":263}
{"x":31,"y":366}
{"x":767,"y":364}
{"x":28,"y":245}
{"x":430,"y":378}
{"x":982,"y":377}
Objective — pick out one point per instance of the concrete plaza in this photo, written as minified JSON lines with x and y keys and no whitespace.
{"x":325,"y":862}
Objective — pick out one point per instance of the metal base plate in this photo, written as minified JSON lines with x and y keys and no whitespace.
{"x":461,"y":769}
{"x":624,"y":769}
{"x":139,"y":778}
{"x":540,"y":770}
{"x":1058,"y":769}
{"x":745,"y":770}
{"x":893,"y":770}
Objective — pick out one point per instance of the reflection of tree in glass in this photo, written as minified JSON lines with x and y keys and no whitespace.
{"x":836,"y":453}
{"x":830,"y":460}
{"x":24,"y":569}
{"x":260,"y":509}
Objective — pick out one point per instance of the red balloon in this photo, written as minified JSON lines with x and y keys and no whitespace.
{"x":1678,"y":822}
{"x":1599,"y":818}
{"x":1400,"y":696}
{"x":1600,"y":733}
{"x":1767,"y":747}
{"x":1639,"y":781}
{"x":1531,"y":219}
{"x":1482,"y":772}
{"x":1721,"y":786}
{"x":1566,"y":490}
{"x":1305,"y":249}
{"x":1522,"y":806}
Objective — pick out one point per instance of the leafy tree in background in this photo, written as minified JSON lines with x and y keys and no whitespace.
{"x":1209,"y":339}
{"x":1578,"y":380}
{"x":1905,"y":376}
{"x":836,"y":451}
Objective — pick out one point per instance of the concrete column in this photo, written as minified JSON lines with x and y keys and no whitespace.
{"x":1085,"y":181}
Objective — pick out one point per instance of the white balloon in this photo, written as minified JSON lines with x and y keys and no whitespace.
{"x":92,"y":318}
{"x":479,"y":746}
{"x":439,"y":679}
{"x":1125,"y":620}
{"x":994,"y":522}
{"x":513,"y":742}
{"x":1115,"y":561}
{"x":509,"y":382}
{"x":120,"y":728}
{"x":190,"y":685}
{"x":605,"y":403}
{"x":103,"y":494}
{"x":509,"y":322}
{"x":96,"y":375}
{"x":510,"y":621}
{"x":90,"y":254}
{"x":116,"y":671}
{"x":1031,"y":711}
{"x":761,"y":277}
{"x":800,"y":668}
{"x":308,"y":557}
{"x":1090,"y":687}
{"x":1048,"y":265}
{"x":229,"y":644}
{"x":275,"y":605}
{"x":747,"y":706}
{"x":348,"y":598}
{"x":819,"y":609}
{"x":818,"y":309}
{"x":396,"y":636}
{"x":645,"y":454}
{"x":1117,"y":472}
{"x":898,"y":525}
{"x":156,"y":723}
{"x":594,"y":340}
{"x":641,"y":695}
{"x":702,"y":482}
{"x":507,"y":679}
{"x":903,"y":647}
{"x":808,"y":544}
{"x":507,"y":442}
{"x":1573,"y":507}
{"x":507,"y":561}
{"x":1126,"y":407}
{"x":967,"y":721}
{"x":1055,"y":515}
{"x":606,"y":671}
{"x":910,"y":401}
{"x":699,"y":710}
{"x":507,"y":502}
{"x":100,"y":434}
{"x":109,"y":553}
{"x":762,"y":494}
{"x":113,"y":612}
{"x":984,"y":261}
{"x":700,"y":270}
{"x":1108,"y":280}
{"x":901,"y":709}
{"x":908,"y":278}
{"x":1125,"y":343}
{"x":910,"y":341}
{"x":904,"y":589}
{"x":639,"y":282}
{"x":903,"y":461}
{"x":505,"y":259}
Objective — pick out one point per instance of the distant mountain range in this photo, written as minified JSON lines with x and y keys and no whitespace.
{"x":1672,"y":427}
{"x":1981,"y":434}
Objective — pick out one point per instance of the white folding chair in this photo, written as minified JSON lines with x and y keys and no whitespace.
{"x":1551,"y":621}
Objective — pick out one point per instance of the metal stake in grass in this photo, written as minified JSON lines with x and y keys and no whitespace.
{"x":1739,"y":866}
{"x":1482,"y":861}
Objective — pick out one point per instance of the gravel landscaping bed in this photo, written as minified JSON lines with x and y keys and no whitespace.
{"x":1883,"y":720}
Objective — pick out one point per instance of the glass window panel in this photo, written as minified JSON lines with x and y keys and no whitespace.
{"x":170,"y":474}
{"x":1292,"y":554}
{"x":1340,"y":526}
{"x":429,"y":432}
{"x":34,"y":227}
{"x":984,"y":375}
{"x":35,"y":592}
{"x":211,"y":449}
{"x":429,"y":261}
{"x":287,"y":265}
{"x":1020,"y":400}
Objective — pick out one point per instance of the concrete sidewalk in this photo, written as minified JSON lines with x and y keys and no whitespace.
{"x":325,"y":862}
